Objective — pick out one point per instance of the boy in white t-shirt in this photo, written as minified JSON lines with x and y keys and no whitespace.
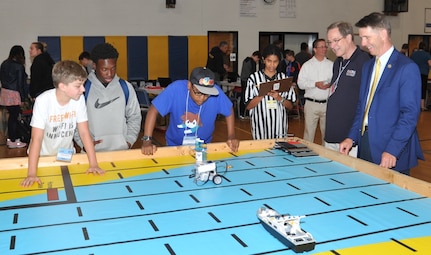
{"x":56,"y":114}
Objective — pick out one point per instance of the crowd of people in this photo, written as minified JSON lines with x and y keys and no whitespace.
{"x":367,"y":102}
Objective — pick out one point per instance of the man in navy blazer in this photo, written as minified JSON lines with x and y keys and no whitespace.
{"x":389,"y":137}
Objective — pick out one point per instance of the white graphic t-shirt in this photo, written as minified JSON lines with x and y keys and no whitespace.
{"x":58,"y":122}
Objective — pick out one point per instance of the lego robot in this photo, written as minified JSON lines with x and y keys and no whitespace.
{"x":206,"y":171}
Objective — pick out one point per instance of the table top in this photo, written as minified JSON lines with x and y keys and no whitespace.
{"x":152,"y":204}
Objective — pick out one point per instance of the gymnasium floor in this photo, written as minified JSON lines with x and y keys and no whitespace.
{"x":152,"y":206}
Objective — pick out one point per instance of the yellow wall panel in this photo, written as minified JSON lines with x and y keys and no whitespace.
{"x":71,"y":47}
{"x":158,"y":57}
{"x":120,"y":43}
{"x":198,"y":51}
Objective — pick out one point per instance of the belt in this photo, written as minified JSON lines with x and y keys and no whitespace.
{"x":315,"y":100}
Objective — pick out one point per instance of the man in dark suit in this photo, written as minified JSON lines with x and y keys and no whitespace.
{"x":385,"y":128}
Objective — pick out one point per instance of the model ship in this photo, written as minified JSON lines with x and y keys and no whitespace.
{"x":286,"y":229}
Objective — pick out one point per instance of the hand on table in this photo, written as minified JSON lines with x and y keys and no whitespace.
{"x":95,"y":171}
{"x":233,"y":144}
{"x":28,"y":182}
{"x":148,"y":148}
{"x":388,"y":160}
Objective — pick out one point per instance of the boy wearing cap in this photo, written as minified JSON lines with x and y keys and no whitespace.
{"x":193,"y":107}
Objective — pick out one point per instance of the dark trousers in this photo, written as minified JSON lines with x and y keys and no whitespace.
{"x":14,"y":111}
{"x":241,"y":101}
{"x":364,"y":151}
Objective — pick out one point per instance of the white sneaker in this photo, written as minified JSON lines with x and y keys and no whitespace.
{"x":16,"y":144}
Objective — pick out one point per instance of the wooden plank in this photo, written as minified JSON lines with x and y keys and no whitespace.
{"x":401,"y":180}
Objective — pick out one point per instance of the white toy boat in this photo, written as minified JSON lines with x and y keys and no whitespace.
{"x":286,"y":229}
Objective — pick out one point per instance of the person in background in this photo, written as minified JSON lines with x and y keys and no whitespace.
{"x":389,"y":102}
{"x":290,"y":66}
{"x":13,"y":92}
{"x":40,"y":70}
{"x":423,"y":59}
{"x":315,"y":77}
{"x":114,"y":120}
{"x":345,"y":84}
{"x":85,"y":61}
{"x":280,"y":46}
{"x":304,"y":55}
{"x":248,"y":67}
{"x":193,"y":107}
{"x":215,"y":61}
{"x":405,"y":49}
{"x":268,"y":113}
{"x":56,"y":114}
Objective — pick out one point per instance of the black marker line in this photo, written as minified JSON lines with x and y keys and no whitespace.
{"x":324,"y":202}
{"x":79,"y":211}
{"x":403,"y":244}
{"x":68,"y":186}
{"x":239,"y":240}
{"x":194,"y":198}
{"x":214,"y":217}
{"x":169,"y":248}
{"x":85,"y":232}
{"x":153,"y":225}
{"x":12,"y":243}
{"x":140,"y":205}
{"x":243,"y":190}
{"x":179,"y":184}
{"x":357,"y":220}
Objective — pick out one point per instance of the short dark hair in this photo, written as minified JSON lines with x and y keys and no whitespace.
{"x":289,"y":53}
{"x":304,"y":46}
{"x":375,"y":20}
{"x":278,"y":42}
{"x":84,"y":54}
{"x":256,"y":53}
{"x":103,"y":51}
{"x":223,"y":43}
{"x":317,"y":41}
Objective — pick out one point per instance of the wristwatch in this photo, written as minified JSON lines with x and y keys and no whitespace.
{"x":147,"y":138}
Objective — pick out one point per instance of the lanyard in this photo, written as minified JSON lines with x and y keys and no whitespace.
{"x":340,"y":71}
{"x":187,"y":110}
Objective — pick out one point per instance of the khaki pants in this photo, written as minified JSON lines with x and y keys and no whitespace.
{"x":314,"y":113}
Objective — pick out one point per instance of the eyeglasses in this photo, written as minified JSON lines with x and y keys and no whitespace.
{"x":198,"y":93}
{"x":322,"y":47}
{"x":334,"y":41}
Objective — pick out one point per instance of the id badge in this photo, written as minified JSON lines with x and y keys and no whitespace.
{"x":189,"y":140}
{"x":271,"y":104}
{"x":64,"y":154}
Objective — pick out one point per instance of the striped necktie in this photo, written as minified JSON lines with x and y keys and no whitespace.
{"x":372,"y":91}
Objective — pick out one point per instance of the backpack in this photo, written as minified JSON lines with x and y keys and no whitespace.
{"x":123,"y":84}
